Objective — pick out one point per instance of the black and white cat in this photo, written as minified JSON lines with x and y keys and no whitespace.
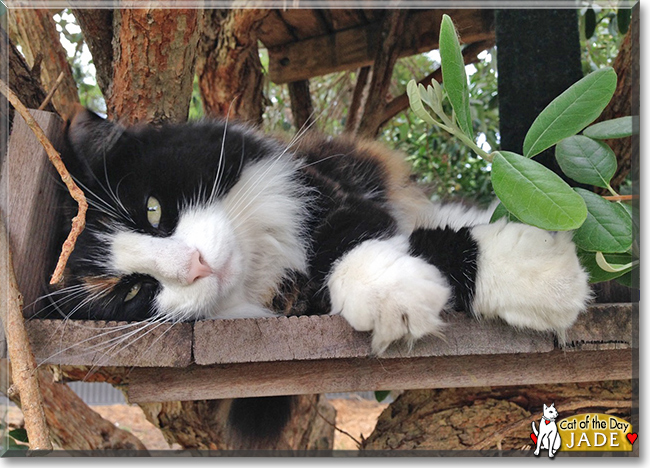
{"x":213,"y":220}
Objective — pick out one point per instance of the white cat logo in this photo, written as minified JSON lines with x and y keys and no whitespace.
{"x":547,"y":437}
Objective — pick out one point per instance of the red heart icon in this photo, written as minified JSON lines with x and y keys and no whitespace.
{"x":547,"y":421}
{"x":534,"y":437}
{"x":632,"y":437}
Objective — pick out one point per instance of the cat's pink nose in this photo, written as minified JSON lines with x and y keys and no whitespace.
{"x":198,"y":268}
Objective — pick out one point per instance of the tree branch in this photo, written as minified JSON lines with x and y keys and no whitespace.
{"x":22,"y":360}
{"x":398,"y":104}
{"x":79,"y":221}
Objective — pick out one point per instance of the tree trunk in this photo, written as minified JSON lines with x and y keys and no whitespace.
{"x":382,"y":71}
{"x":73,"y":424}
{"x":38,"y":35}
{"x":622,"y":103}
{"x":200,"y":425}
{"x":302,"y":108}
{"x":229,"y":69}
{"x":97,"y":27}
{"x":487,"y":417}
{"x":153,"y":61}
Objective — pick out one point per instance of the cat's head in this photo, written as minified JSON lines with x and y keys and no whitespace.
{"x":163,"y":228}
{"x":550,"y":412}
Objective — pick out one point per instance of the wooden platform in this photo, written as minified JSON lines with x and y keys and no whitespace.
{"x":274,"y":356}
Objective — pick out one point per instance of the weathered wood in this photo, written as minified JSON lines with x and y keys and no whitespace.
{"x":305,"y":338}
{"x":331,"y":337}
{"x":29,"y":203}
{"x":345,"y":375}
{"x":91,"y":343}
{"x":608,"y":326}
{"x":357,"y":47}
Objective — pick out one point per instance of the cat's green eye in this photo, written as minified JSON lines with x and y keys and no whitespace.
{"x":135,"y":289}
{"x":154,"y":211}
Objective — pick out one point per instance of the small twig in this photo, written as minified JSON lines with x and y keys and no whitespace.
{"x":23,"y":364}
{"x":568,"y":406}
{"x":48,"y":98}
{"x":79,"y":221}
{"x":335,"y":426}
{"x":621,"y":197}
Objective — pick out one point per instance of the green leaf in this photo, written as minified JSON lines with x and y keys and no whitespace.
{"x":610,"y":129}
{"x":597,"y":274}
{"x":608,"y":227}
{"x":611,"y":267}
{"x":415,"y":101}
{"x":623,"y":18}
{"x":453,"y":74}
{"x":380,"y":395}
{"x":586,"y":161}
{"x":536,"y":195}
{"x":501,"y":212}
{"x":590,"y":23}
{"x":571,"y":111}
{"x":19,"y":434}
{"x":626,"y":280}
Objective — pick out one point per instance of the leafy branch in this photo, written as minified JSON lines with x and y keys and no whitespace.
{"x":528,"y":191}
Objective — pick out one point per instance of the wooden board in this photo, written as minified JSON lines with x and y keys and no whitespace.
{"x":29,"y":200}
{"x":346,"y":375}
{"x":331,"y":337}
{"x":356,"y":47}
{"x":90,"y":343}
{"x":311,"y":339}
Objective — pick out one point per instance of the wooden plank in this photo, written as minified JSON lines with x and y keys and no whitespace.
{"x":98,"y":343}
{"x":345,"y":375}
{"x":29,"y":201}
{"x":356,"y":47}
{"x":606,"y":326}
{"x":274,"y":31}
{"x":304,"y":23}
{"x":331,"y":337}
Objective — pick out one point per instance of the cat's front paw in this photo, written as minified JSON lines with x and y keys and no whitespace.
{"x":529,"y":277}
{"x":379,"y":287}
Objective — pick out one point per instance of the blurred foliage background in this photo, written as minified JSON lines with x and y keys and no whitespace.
{"x":444,"y":167}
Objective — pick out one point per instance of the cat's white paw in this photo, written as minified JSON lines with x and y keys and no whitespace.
{"x":379,"y":287}
{"x":529,"y":277}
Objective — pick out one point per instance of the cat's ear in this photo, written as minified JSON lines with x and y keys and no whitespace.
{"x":90,"y":139}
{"x":545,"y":407}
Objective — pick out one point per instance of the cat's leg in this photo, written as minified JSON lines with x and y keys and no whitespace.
{"x":378,"y":286}
{"x":526,"y":276}
{"x":370,"y":277}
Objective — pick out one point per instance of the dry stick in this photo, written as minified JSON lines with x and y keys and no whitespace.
{"x":23,"y":364}
{"x":568,"y":406}
{"x":621,"y":197}
{"x":79,"y":221}
{"x":56,"y":84}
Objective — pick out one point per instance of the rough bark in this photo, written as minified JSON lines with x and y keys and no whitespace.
{"x":382,"y":71}
{"x":359,"y":96}
{"x":302,"y":108}
{"x":38,"y":35}
{"x":97,"y":28}
{"x":153,"y":60}
{"x":73,"y":424}
{"x":200,"y":425}
{"x":622,"y":104}
{"x":469,"y":418}
{"x":229,"y":71}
